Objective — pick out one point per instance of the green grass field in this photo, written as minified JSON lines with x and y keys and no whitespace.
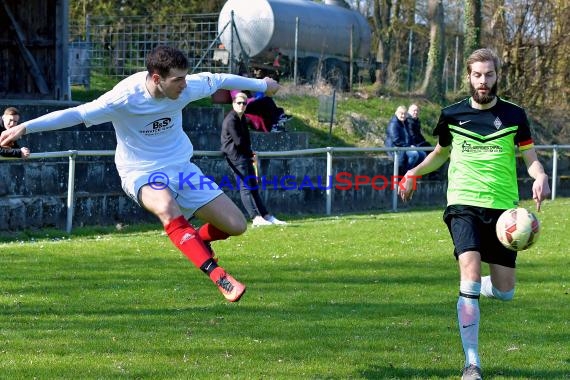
{"x":345,"y":297}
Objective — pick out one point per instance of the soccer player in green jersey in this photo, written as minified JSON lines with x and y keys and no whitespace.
{"x":479,"y":135}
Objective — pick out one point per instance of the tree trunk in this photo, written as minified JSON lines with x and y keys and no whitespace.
{"x":433,"y":86}
{"x":472,"y":26}
{"x":381,"y":16}
{"x":472,"y":39}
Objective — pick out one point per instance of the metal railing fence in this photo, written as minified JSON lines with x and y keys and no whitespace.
{"x":328,"y":151}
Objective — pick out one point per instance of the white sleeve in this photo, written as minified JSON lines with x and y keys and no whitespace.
{"x":54,"y":120}
{"x":237,"y":82}
{"x":204,"y":84}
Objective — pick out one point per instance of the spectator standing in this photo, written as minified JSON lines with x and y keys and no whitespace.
{"x":153,"y":154}
{"x":236,"y":146}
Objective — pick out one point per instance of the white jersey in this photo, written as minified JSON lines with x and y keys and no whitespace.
{"x":149,"y":130}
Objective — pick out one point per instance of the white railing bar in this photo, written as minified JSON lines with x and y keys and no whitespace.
{"x":73,"y":154}
{"x":554,"y":172}
{"x":70,"y":193}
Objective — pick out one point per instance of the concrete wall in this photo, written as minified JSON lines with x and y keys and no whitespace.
{"x":36,"y":194}
{"x":33,"y":193}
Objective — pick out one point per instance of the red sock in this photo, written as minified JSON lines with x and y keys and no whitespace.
{"x":210,"y":233}
{"x":187,"y":240}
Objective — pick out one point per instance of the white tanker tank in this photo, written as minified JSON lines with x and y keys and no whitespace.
{"x":326,"y":34}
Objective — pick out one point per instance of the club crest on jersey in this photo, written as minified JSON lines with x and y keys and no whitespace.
{"x":498,"y":123}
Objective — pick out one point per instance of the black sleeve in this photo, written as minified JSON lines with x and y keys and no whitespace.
{"x":11,"y":152}
{"x":442,"y":131}
{"x":523,"y":136}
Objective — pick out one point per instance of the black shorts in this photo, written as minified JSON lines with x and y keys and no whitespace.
{"x":473,"y":229}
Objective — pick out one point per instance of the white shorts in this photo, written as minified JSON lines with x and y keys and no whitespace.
{"x":189,"y":186}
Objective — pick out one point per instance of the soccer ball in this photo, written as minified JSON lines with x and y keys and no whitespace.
{"x":518,"y":229}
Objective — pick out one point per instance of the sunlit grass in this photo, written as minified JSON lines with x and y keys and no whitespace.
{"x":368,"y":296}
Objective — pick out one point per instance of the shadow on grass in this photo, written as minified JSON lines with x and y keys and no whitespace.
{"x":120,"y":229}
{"x":391,"y":372}
{"x":58,"y":233}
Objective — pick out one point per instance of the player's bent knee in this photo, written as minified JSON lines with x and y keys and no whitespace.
{"x":240,"y":229}
{"x":236,"y":226}
{"x":504,"y":296}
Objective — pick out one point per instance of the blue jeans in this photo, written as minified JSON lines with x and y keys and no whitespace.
{"x":409,"y":159}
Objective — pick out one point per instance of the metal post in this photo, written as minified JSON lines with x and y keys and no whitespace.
{"x":554,"y":171}
{"x":89,"y":50}
{"x":329,"y":180}
{"x":232,"y":43}
{"x":395,"y":190}
{"x":295,"y":64}
{"x":410,"y":44}
{"x":456,"y":64}
{"x":332,"y":115}
{"x":351,"y":59}
{"x":70,"y":190}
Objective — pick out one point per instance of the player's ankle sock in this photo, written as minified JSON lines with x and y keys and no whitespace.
{"x":187,"y":240}
{"x":209,"y":232}
{"x":468,"y":315}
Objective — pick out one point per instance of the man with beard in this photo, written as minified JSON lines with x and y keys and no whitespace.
{"x":479,"y":135}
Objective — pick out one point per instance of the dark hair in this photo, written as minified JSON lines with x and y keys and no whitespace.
{"x":483,"y":55}
{"x":12,"y":111}
{"x":163,"y":58}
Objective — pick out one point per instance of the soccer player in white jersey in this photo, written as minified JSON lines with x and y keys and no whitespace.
{"x":153,"y":153}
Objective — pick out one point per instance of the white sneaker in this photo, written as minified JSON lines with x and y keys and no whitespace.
{"x":259,"y":221}
{"x":274,"y":220}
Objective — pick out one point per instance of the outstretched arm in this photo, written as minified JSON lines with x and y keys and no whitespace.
{"x":540,"y":187}
{"x":235,"y":82}
{"x":12,"y":134}
{"x":48,"y":122}
{"x":432,"y":162}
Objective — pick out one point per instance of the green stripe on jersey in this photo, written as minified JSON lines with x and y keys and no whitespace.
{"x":468,"y":133}
{"x":486,"y":163}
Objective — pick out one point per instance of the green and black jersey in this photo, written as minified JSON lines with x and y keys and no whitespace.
{"x":482,"y":166}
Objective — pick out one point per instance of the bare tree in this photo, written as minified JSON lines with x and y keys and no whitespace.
{"x":472,"y":30}
{"x":472,"y":26}
{"x":433,"y":86}
{"x":381,"y":14}
{"x":533,"y":40}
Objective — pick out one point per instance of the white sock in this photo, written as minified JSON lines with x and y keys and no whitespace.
{"x":487,"y":287}
{"x":488,"y":290}
{"x":468,"y":315}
